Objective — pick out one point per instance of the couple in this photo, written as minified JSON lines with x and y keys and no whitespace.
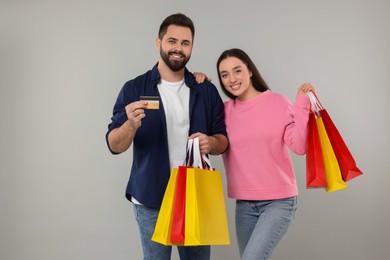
{"x":158,"y":111}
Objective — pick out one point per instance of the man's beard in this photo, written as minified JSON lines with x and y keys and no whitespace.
{"x":174,"y":65}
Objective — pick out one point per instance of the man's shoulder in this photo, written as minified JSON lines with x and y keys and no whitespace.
{"x":208,"y":90}
{"x":205,"y":86}
{"x":206,"y":83}
{"x":191,"y":81}
{"x":142,"y":77}
{"x":142,"y":80}
{"x":147,"y":75}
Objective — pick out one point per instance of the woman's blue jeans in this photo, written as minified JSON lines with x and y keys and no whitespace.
{"x":146,"y":219}
{"x":260,"y":225}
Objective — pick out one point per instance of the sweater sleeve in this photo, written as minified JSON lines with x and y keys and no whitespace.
{"x":296,"y":119}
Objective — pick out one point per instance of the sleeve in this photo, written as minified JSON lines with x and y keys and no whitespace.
{"x":296,"y":119}
{"x":119,"y":113}
{"x":217,"y":122}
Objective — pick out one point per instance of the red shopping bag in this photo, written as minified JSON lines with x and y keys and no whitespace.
{"x":178,"y":213}
{"x":179,"y":201}
{"x":315,"y":169}
{"x":347,"y":164}
{"x":334,"y":180}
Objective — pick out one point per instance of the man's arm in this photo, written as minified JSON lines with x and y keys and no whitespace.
{"x":120,"y":139}
{"x":221,"y":143}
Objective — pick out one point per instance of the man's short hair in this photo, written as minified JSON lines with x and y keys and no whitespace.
{"x":178,"y":19}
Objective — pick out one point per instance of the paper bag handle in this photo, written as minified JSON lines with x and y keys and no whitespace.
{"x":200,"y":160}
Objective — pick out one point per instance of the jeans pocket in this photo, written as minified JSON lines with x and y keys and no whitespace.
{"x":294,"y":205}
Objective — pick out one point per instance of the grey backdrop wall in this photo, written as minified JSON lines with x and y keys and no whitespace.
{"x":62,"y":64}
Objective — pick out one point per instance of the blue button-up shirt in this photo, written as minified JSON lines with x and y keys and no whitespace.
{"x":150,"y":169}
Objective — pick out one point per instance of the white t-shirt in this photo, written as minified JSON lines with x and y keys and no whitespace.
{"x":175,"y":97}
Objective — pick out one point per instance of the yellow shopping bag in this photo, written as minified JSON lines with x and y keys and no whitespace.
{"x":332,"y":170}
{"x":205,"y":213}
{"x":162,"y":231}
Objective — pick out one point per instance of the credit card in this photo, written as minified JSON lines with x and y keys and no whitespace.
{"x":153,"y":101}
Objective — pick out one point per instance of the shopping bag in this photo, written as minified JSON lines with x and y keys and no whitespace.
{"x":162,"y":230}
{"x":332,"y":170}
{"x":206,"y":220}
{"x":178,"y":214}
{"x":169,"y":229}
{"x":315,"y":169}
{"x":333,"y":175}
{"x":347,"y":164}
{"x":205,"y":213}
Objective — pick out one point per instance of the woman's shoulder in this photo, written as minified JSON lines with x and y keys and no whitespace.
{"x":277,"y":97}
{"x":228,"y":105}
{"x":228,"y":102}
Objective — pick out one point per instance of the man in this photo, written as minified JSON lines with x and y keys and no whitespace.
{"x":156,"y":113}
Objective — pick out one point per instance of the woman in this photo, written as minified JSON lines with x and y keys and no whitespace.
{"x":261,"y":126}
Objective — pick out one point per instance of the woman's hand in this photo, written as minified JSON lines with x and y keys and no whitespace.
{"x":201,"y":77}
{"x":304,"y":88}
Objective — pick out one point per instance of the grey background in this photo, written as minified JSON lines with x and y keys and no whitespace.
{"x":62,"y":64}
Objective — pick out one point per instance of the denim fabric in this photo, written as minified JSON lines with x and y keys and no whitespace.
{"x":146,"y":219}
{"x":260,"y":225}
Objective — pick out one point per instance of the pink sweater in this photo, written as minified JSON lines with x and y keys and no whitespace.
{"x":261,"y":131}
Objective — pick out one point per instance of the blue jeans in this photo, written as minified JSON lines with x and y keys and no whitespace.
{"x":260,"y":225}
{"x":146,"y":219}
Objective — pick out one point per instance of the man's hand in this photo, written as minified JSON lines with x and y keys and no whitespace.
{"x":135,"y":113}
{"x":120,"y":139}
{"x":214,"y":145}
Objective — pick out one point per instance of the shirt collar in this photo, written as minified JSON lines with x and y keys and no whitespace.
{"x":188,"y":77}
